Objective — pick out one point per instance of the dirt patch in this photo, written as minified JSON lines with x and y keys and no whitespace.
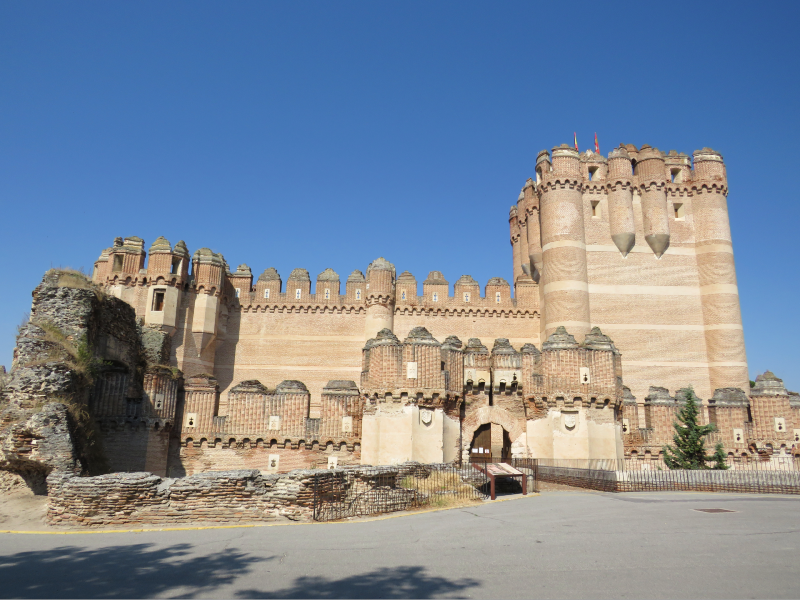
{"x":21,"y":510}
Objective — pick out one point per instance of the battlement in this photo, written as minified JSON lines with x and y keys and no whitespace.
{"x":124,"y":265}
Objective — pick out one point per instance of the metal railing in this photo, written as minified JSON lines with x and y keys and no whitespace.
{"x":776,"y":474}
{"x":341,"y":494}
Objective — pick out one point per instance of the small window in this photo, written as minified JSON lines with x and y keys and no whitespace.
{"x":502,"y":387}
{"x":158,"y":300}
{"x":327,"y":294}
{"x":238,"y":291}
{"x":592,"y":171}
{"x":118,"y":258}
{"x":435,"y":297}
{"x":466,"y":296}
{"x":297,"y":294}
{"x":675,"y":174}
{"x":633,"y":166}
{"x":176,"y":266}
{"x":596,"y":209}
{"x":403,"y":295}
{"x":358,"y":294}
{"x":497,"y":297}
{"x":680,"y":212}
{"x":481,"y":386}
{"x":266,"y":293}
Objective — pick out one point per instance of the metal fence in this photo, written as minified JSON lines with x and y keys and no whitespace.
{"x":342,"y":494}
{"x":777,"y":475}
{"x":353,"y":493}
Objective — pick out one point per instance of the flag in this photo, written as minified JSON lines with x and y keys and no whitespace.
{"x":596,"y":145}
{"x":576,"y":140}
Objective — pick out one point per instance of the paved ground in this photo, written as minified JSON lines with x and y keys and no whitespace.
{"x":557,"y":545}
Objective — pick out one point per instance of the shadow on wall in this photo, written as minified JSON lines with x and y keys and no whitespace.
{"x":143,"y":570}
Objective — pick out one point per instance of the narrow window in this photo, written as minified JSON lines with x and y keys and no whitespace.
{"x":327,"y":294}
{"x":238,"y":292}
{"x":675,"y":174}
{"x":435,"y":297}
{"x":592,"y":171}
{"x":118,"y":258}
{"x":481,"y":386}
{"x":176,"y":266}
{"x":358,"y":294}
{"x":466,"y":296}
{"x":680,"y":212}
{"x":297,"y":294}
{"x":497,"y":297}
{"x":596,"y":208}
{"x":158,"y":300}
{"x":502,"y":387}
{"x":403,"y":295}
{"x":633,"y":166}
{"x":266,"y":293}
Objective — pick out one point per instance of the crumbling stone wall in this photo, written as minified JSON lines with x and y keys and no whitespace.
{"x":77,"y":339}
{"x":133,"y":499}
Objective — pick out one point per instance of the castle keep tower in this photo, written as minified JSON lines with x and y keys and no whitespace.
{"x":638,"y":244}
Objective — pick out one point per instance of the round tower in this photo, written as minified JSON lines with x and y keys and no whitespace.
{"x":652,"y":176}
{"x":533,"y":232}
{"x":564,"y":281}
{"x":379,"y":297}
{"x":513,"y":226}
{"x":620,"y":201}
{"x":522,"y":224}
{"x":719,"y":292}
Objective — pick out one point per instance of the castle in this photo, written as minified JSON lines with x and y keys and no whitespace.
{"x":262,"y":374}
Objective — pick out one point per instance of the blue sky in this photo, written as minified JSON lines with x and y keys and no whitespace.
{"x":325,"y":134}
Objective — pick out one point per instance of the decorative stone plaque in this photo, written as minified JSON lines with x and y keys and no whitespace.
{"x":347,"y":424}
{"x":412,"y":370}
{"x":780,"y":424}
{"x":426,"y":416}
{"x":586,"y":376}
{"x":191,"y":420}
{"x":274,"y":462}
{"x":570,"y":420}
{"x":738,"y":436}
{"x":333,"y":462}
{"x":626,"y":426}
{"x":274,"y":423}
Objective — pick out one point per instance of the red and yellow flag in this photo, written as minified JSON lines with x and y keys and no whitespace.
{"x":576,"y":140}
{"x":596,"y":145}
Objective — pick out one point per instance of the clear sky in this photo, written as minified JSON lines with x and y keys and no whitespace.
{"x":326,"y":134}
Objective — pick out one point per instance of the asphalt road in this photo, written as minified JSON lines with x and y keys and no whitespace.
{"x":557,"y":545}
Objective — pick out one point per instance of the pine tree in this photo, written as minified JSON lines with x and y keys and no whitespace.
{"x":719,"y":458}
{"x":689,"y":451}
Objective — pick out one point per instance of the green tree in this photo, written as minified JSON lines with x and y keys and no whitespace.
{"x":719,"y":458}
{"x":689,"y":451}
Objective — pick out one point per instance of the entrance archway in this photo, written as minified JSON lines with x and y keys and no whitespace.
{"x":490,"y":442}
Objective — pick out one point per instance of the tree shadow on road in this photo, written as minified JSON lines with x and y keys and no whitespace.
{"x":398,"y":582}
{"x":129,"y":571}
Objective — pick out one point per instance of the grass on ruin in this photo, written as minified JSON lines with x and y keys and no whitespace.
{"x":77,"y":279}
{"x":445,"y":490}
{"x":75,"y":353}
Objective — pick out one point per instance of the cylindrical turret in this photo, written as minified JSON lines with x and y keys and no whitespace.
{"x":718,"y":288}
{"x":652,"y":178}
{"x":620,"y":201}
{"x":522,"y":223}
{"x":513,"y":226}
{"x":380,"y":297}
{"x":534,"y":233}
{"x":564,"y":282}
